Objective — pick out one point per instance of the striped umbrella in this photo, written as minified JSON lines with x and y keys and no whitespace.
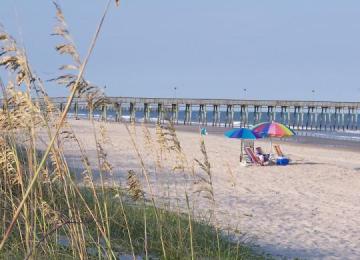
{"x":241,"y":133}
{"x":272,"y":129}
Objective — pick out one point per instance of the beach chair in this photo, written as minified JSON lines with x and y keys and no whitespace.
{"x":278,"y":151}
{"x":254,"y":159}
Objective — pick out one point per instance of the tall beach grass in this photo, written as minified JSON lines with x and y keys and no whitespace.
{"x":46,"y":213}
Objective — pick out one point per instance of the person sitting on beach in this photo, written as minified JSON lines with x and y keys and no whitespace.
{"x":262,"y":156}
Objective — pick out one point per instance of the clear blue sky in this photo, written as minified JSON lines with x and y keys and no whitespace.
{"x":277,"y":49}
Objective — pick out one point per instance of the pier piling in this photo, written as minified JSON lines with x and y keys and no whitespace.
{"x":118,"y":111}
{"x":76,"y":110}
{"x":132,"y":112}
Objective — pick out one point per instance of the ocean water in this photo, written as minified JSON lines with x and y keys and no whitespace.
{"x":353,"y":136}
{"x":349,"y":133}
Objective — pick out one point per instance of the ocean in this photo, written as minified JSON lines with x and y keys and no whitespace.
{"x":327,"y":132}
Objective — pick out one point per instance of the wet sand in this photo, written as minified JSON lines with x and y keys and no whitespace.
{"x":300,"y":140}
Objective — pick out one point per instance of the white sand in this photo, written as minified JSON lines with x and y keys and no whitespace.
{"x":310,"y":209}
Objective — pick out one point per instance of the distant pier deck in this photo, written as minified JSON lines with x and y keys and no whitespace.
{"x":306,"y":115}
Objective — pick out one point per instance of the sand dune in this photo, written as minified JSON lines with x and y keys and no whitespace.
{"x":309,"y":209}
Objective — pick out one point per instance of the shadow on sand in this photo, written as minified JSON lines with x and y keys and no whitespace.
{"x":306,"y":163}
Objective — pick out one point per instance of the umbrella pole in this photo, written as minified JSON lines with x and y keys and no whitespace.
{"x":241,"y":150}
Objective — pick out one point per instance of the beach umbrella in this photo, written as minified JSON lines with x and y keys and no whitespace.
{"x":272,"y":129}
{"x":242,"y":134}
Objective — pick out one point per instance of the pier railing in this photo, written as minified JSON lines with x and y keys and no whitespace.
{"x":314,"y":115}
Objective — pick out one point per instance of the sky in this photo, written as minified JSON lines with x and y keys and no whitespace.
{"x":277,"y":49}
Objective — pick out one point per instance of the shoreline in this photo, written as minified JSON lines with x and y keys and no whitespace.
{"x":305,"y":138}
{"x":301,"y":140}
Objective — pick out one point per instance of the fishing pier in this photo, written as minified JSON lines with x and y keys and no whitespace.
{"x":307,"y":115}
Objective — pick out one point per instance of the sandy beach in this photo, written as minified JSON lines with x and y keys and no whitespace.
{"x":309,"y":209}
{"x":103,"y":154}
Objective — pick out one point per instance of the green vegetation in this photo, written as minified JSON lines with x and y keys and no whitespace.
{"x":141,"y":217}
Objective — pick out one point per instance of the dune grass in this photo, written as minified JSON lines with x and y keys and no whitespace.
{"x":141,"y":218}
{"x":46,"y":214}
{"x":176,"y":230}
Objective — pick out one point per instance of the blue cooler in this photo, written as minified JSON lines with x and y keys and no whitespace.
{"x":282,"y":161}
